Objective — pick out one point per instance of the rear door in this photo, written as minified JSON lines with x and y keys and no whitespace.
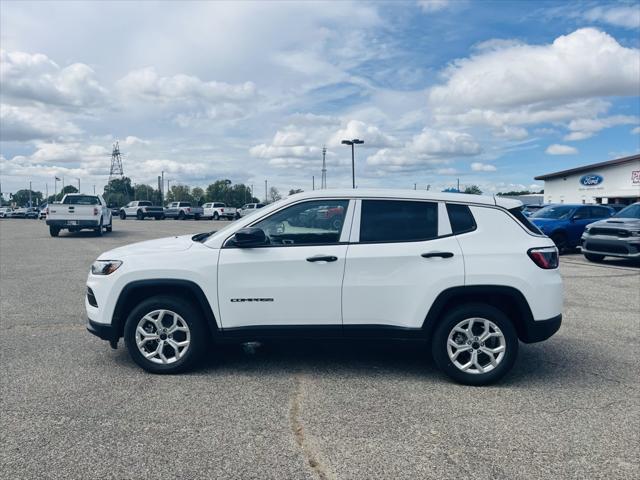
{"x":402,"y":255}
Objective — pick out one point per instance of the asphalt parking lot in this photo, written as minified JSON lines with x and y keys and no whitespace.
{"x":74,"y":408}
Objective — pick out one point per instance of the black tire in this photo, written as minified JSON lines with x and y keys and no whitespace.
{"x":140,"y":215}
{"x":237,"y":215}
{"x":109,"y":228}
{"x":561,"y":241}
{"x":123,"y":215}
{"x":158,"y":217}
{"x":594,"y":257}
{"x":199,"y":334}
{"x":196,"y":217}
{"x":474,"y":310}
{"x":54,"y":231}
{"x":216,"y":216}
{"x":181,"y":216}
{"x":99,"y":230}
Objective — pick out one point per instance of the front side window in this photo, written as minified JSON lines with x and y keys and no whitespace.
{"x":600,"y":212}
{"x":309,"y":223}
{"x":398,"y":221}
{"x":144,"y":204}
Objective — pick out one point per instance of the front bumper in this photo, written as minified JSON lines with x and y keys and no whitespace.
{"x":102,"y":330}
{"x":77,"y":224}
{"x":539,"y":330}
{"x":611,"y":246}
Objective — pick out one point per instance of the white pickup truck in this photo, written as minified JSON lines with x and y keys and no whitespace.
{"x":79,"y":212}
{"x":218,"y":210}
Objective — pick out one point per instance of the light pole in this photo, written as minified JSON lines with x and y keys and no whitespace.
{"x":162,"y":189}
{"x":353,"y":142}
{"x":78,"y":184}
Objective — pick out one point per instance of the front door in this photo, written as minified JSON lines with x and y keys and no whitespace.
{"x":296,"y":278}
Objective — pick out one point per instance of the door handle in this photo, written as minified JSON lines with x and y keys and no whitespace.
{"x":437,"y":254}
{"x":322,"y":258}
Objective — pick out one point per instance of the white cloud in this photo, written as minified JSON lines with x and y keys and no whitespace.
{"x":146,"y":84}
{"x":430,"y":6}
{"x":31,"y":123}
{"x":536,"y":83}
{"x":556,"y":149}
{"x":132,"y":140}
{"x":444,"y":143}
{"x":636,"y":131}
{"x":371,"y":135}
{"x":34,"y":77}
{"x":587,"y":127}
{"x":510,"y":132}
{"x":627,"y":16}
{"x":482,"y":167}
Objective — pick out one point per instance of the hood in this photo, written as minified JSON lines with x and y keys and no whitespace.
{"x":169,"y":244}
{"x":631,"y":223}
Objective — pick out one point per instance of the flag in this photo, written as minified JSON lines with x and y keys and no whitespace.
{"x":57,"y":179}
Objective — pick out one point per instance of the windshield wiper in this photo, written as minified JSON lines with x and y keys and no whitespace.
{"x":201,"y":237}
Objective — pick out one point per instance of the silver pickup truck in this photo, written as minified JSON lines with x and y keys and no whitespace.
{"x":79,"y":212}
{"x":182,"y":211}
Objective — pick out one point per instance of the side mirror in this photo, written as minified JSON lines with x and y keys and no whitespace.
{"x":250,"y":237}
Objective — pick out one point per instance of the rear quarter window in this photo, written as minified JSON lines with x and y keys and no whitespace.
{"x":461,"y":218}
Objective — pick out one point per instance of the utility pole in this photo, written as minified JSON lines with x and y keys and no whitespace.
{"x":30,"y":201}
{"x":162,"y":189}
{"x":313,"y":182}
{"x":78,"y":184}
{"x":266,"y":198}
{"x":94,"y":189}
{"x":252,"y":192}
{"x":323,"y":180}
{"x":415,"y":186}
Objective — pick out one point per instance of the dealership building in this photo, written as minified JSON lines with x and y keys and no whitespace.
{"x":613,"y":181}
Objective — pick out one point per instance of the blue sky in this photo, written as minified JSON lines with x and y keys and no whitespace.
{"x":493,"y":93}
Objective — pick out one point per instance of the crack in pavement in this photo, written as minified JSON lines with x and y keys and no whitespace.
{"x":308,"y":452}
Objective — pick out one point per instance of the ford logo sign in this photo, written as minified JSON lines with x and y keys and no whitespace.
{"x":591,"y":180}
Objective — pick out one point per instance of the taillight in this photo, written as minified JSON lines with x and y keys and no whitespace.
{"x":47,"y":211}
{"x":221,"y":210}
{"x":95,"y":210}
{"x":545,"y":257}
{"x":188,"y":209}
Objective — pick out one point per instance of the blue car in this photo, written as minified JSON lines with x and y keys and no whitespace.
{"x":564,"y":223}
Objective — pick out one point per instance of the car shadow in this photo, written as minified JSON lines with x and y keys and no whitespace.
{"x":92,"y":234}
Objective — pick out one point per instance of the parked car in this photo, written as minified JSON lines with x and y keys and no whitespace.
{"x":218,"y":210}
{"x":182,"y":211}
{"x":618,"y":236}
{"x":32,"y":212}
{"x":249,"y":208}
{"x":5,"y":212}
{"x":79,"y":212}
{"x":20,"y":212}
{"x":141,"y":209}
{"x":564,"y":223}
{"x":43,"y":211}
{"x":467,"y":275}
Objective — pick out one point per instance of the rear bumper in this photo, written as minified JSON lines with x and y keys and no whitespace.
{"x":77,"y":224}
{"x":539,"y":330}
{"x":103,"y":331}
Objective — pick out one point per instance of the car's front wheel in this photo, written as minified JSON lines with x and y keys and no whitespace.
{"x":475,"y":344}
{"x":54,"y":231}
{"x":165,"y":335}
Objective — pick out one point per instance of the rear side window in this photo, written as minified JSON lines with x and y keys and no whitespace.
{"x":81,"y":200}
{"x":185,"y":204}
{"x":517,"y":212}
{"x":144,"y":204}
{"x":218,"y":205}
{"x":461,"y":218}
{"x":398,"y":221}
{"x":600,"y":212}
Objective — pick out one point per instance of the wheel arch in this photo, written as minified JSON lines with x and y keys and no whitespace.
{"x":509,"y":300}
{"x":133,"y":293}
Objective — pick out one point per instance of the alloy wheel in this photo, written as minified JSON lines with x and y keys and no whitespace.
{"x":476,"y":345}
{"x":162,"y":336}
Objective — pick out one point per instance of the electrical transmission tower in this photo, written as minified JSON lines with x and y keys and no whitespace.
{"x":116,"y":170}
{"x":323,"y":181}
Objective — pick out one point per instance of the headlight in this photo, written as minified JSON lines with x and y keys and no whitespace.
{"x":105,"y":267}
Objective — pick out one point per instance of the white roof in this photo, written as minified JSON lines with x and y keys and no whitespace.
{"x":408,"y":194}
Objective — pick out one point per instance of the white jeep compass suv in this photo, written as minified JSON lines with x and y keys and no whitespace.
{"x":467,"y":274}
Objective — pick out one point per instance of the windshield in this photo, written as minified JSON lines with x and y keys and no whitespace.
{"x":558,"y":212}
{"x":632,"y":211}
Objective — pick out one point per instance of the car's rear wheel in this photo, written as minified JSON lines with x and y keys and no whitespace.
{"x":216,"y":216}
{"x":165,"y":335}
{"x":54,"y":231}
{"x":99,"y":230}
{"x":123,"y":216}
{"x":140,"y":215}
{"x":560,"y":239}
{"x":181,"y":216}
{"x":475,"y":344}
{"x":594,"y":257}
{"x":109,"y":228}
